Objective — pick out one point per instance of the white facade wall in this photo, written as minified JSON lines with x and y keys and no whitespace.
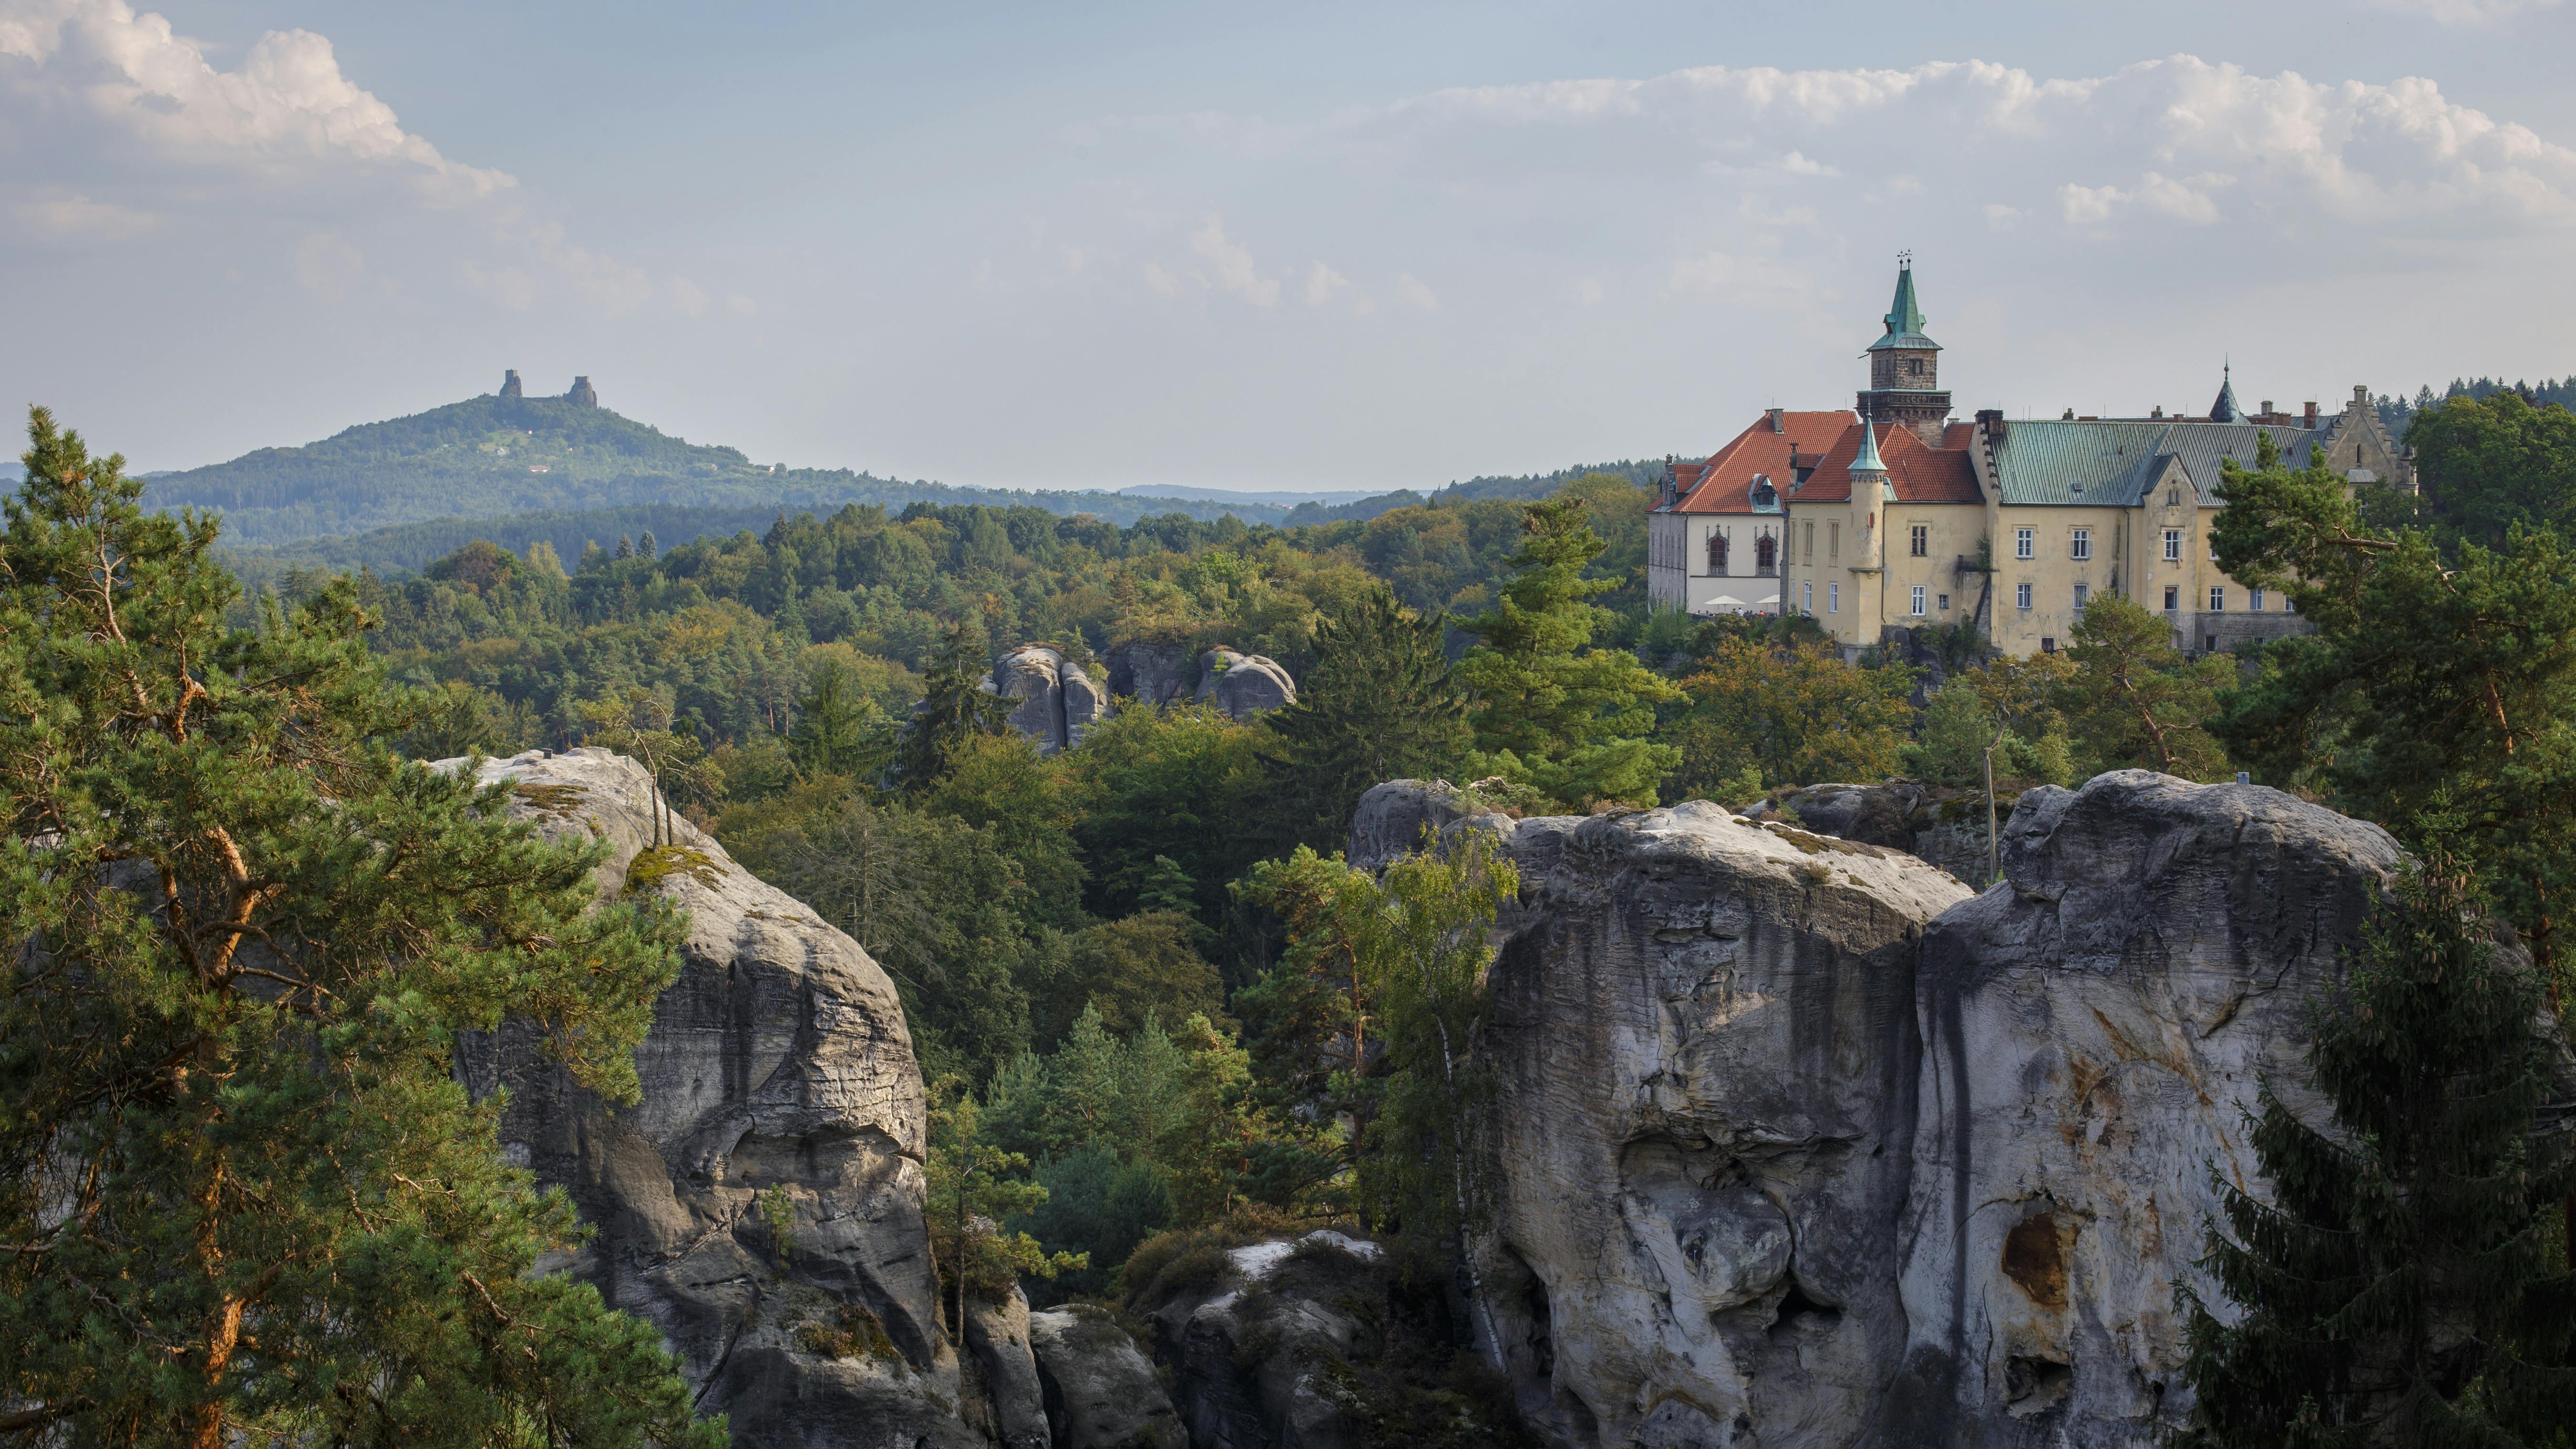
{"x":1678,"y":569}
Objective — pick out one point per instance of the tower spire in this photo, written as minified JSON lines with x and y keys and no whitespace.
{"x":2225,"y":409}
{"x":1904,"y":318}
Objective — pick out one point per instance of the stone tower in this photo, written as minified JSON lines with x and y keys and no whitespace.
{"x":583,"y":395}
{"x":1871,"y":490}
{"x":510,"y":384}
{"x":1905,"y":369}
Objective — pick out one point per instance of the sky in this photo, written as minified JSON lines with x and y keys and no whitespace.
{"x":1317,"y":246}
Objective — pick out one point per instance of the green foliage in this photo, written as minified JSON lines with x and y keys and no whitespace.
{"x":975,"y":1187}
{"x":1788,"y":710}
{"x":236,"y":1168}
{"x":2488,"y":465}
{"x":1548,"y":710}
{"x":954,"y":709}
{"x":1380,"y":704}
{"x":1175,"y":784}
{"x":2397,"y":1282}
{"x":2438,"y":695}
{"x":2133,"y":702}
{"x":838,"y":730}
{"x":1961,"y":721}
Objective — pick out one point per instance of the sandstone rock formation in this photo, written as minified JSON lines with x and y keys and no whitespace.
{"x":1799,"y":1143}
{"x":780,"y":1091}
{"x":1101,"y":1392}
{"x":1243,"y":685}
{"x":1059,"y":703}
{"x":1944,"y":826}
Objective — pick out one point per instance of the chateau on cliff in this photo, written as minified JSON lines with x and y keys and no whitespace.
{"x":1894,"y":515}
{"x":583,"y":395}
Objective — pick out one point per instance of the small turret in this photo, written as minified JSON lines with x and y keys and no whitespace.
{"x":1871,"y":490}
{"x":583,"y":395}
{"x":510,"y":384}
{"x":2225,"y":409}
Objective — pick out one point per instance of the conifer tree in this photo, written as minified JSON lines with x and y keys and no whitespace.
{"x":838,"y":730}
{"x":243,"y":1198}
{"x":1379,"y":705}
{"x":2132,"y":702}
{"x":954,"y":705}
{"x":2398,"y":1287}
{"x":1549,"y":711}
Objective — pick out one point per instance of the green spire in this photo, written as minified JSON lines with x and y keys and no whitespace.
{"x":1868,"y":461}
{"x":1903,"y":316}
{"x":1904,"y":319}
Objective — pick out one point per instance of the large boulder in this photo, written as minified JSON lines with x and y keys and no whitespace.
{"x":999,"y":1335}
{"x":2093,"y":1033}
{"x":1101,"y":1391}
{"x":1151,"y":673}
{"x":1032,"y":674}
{"x":780,"y":1091}
{"x":1944,"y":825}
{"x":1243,"y":685}
{"x":1085,"y":703}
{"x":1800,"y":1143}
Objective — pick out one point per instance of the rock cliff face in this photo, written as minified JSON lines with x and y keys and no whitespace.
{"x":1944,"y":826}
{"x":1800,"y":1143}
{"x":1058,"y":700}
{"x":780,"y":1090}
{"x":1242,"y":685}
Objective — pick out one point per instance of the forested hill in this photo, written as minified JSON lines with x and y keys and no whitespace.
{"x":491,"y":457}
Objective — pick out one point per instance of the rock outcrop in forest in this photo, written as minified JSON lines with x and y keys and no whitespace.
{"x":1801,"y":1143}
{"x":763,"y":1204}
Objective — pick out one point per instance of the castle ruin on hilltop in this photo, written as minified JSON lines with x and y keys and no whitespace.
{"x":583,"y":395}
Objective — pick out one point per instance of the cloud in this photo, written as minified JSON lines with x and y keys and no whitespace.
{"x":1410,"y":290}
{"x":77,"y":218}
{"x":1321,"y":283}
{"x":2471,"y":13}
{"x":687,"y":298}
{"x":1160,"y":282}
{"x":329,"y":266}
{"x":287,"y":108}
{"x":1721,"y":277}
{"x":511,"y":287}
{"x":2162,"y":134}
{"x":1589,"y":289}
{"x":1231,"y":263}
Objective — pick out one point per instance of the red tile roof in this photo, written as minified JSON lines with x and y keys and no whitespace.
{"x":1920,"y":473}
{"x":1724,"y":483}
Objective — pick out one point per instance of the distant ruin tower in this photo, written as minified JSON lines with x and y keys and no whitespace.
{"x":583,"y":395}
{"x":510,"y":384}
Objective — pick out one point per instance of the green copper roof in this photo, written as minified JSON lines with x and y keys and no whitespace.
{"x":2225,"y":409}
{"x":1904,"y":319}
{"x":1868,"y":460}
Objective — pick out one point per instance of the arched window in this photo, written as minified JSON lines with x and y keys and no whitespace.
{"x":1717,"y":553}
{"x":1766,"y":553}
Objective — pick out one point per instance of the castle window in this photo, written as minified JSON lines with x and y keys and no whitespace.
{"x":1833,"y":542}
{"x":1766,"y":554}
{"x":1919,"y":540}
{"x":1917,"y":601}
{"x":2173,"y":598}
{"x":2217,"y":600}
{"x":2021,"y":596}
{"x":1807,"y":593}
{"x":2173,"y":545}
{"x":1833,"y":598}
{"x":1808,"y":546}
{"x":2173,"y":498}
{"x":1943,"y":603}
{"x":2083,"y":596}
{"x":2083,"y":545}
{"x":2254,"y":601}
{"x":1716,"y":553}
{"x":2025,"y":542}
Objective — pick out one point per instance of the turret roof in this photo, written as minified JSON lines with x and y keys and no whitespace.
{"x":2225,"y":409}
{"x":1904,"y":319}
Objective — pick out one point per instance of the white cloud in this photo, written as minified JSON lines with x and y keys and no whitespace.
{"x":1160,"y":282}
{"x":1232,"y":264}
{"x":286,"y":108}
{"x":1410,"y":290}
{"x":2000,"y":217}
{"x":77,"y":218}
{"x":1321,"y":283}
{"x":1798,"y":165}
{"x":2475,"y":13}
{"x":328,"y":265}
{"x":687,"y":298}
{"x":740,"y":305}
{"x":1589,"y":289}
{"x":511,"y":287}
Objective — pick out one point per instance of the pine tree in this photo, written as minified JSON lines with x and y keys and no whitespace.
{"x":645,"y":546}
{"x":1548,"y":710}
{"x":838,"y":730}
{"x":2134,"y":702}
{"x":2398,"y":1287}
{"x":1380,"y":704}
{"x":954,"y":705}
{"x":243,"y":1198}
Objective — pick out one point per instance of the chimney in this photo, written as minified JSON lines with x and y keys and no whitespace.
{"x":2267,"y":407}
{"x":2159,"y":412}
{"x":2360,"y":396}
{"x":1776,"y":425}
{"x":2311,"y":414}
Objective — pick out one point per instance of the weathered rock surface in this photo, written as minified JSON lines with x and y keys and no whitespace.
{"x":1243,"y":685}
{"x":1944,"y":826}
{"x":1058,"y":701}
{"x":1801,"y":1144}
{"x":1152,"y":673}
{"x":778,"y":1073}
{"x":1101,"y":1392}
